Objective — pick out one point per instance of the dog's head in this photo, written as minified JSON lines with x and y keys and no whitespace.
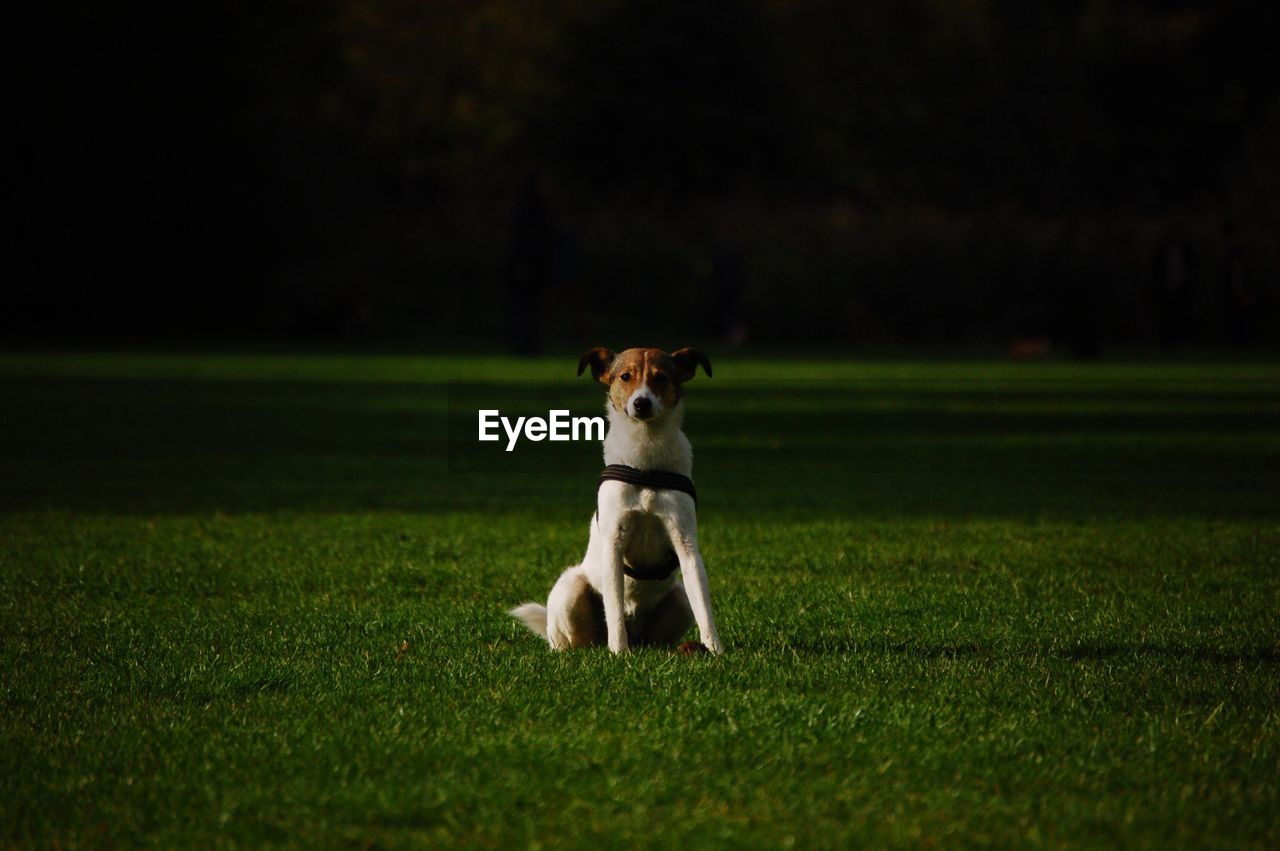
{"x":644,"y":384}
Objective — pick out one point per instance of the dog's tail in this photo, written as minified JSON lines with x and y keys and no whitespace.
{"x":532,"y":615}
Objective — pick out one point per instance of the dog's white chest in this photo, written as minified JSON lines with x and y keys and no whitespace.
{"x":644,"y":539}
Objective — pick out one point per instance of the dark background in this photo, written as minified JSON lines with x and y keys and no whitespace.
{"x":465,"y":175}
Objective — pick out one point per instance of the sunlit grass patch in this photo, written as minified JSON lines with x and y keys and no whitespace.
{"x":245,"y":600}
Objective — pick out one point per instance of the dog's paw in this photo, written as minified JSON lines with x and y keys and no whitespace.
{"x":692,"y":648}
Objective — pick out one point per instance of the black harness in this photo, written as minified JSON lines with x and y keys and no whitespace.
{"x":657,"y":480}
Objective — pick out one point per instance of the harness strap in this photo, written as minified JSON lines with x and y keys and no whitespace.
{"x":656,"y":479}
{"x":660,"y":571}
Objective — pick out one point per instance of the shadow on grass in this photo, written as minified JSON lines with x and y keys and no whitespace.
{"x":1079,"y":652}
{"x":1109,"y":650}
{"x":150,"y":446}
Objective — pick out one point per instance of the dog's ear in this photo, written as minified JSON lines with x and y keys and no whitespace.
{"x":687,"y":361}
{"x":599,"y":360}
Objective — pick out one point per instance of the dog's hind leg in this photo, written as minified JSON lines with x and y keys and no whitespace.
{"x":575,"y":612}
{"x":668,"y":621}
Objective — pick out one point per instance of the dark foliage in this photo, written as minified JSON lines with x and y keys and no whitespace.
{"x":332,"y":169}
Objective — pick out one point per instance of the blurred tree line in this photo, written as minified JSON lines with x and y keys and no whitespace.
{"x":919,"y":171}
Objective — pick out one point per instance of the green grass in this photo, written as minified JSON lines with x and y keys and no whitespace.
{"x":258,"y":600}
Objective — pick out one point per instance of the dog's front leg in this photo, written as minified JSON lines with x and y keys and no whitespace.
{"x":683,"y":531}
{"x":611,"y":585}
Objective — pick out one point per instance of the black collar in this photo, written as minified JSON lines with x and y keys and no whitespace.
{"x":656,"y":479}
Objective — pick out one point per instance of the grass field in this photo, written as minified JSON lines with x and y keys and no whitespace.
{"x":259,"y":601}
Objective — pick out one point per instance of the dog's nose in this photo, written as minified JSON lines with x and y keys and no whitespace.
{"x":643,"y":406}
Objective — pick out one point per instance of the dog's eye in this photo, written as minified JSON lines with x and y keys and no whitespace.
{"x":659,"y":380}
{"x":626,"y":376}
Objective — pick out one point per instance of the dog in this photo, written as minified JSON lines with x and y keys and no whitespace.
{"x":624,"y":592}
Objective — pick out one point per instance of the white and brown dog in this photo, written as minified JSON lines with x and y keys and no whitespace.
{"x":624,"y":592}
